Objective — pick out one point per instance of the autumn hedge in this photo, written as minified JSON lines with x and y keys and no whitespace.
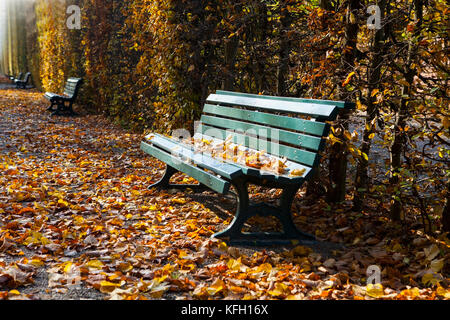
{"x":150,"y":64}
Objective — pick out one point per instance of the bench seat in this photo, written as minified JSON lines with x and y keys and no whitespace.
{"x":51,"y":95}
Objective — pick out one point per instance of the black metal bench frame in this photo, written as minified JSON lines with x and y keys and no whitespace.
{"x":64,"y":103}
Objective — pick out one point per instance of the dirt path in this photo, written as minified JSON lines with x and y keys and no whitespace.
{"x":77,"y":221}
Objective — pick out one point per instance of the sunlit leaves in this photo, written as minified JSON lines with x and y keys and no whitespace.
{"x":85,"y":219}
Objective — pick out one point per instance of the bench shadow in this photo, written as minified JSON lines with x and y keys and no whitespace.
{"x":224,"y":206}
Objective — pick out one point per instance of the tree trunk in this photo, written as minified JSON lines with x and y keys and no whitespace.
{"x":261,"y":36}
{"x":338,"y":157}
{"x":284,"y":53}
{"x":325,"y":4}
{"x":374,"y":74}
{"x":401,"y":115}
{"x":446,"y":212}
{"x":231,"y":48}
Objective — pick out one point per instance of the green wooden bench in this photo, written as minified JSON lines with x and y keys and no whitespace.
{"x":64,"y":102}
{"x":19,"y":77}
{"x":285,"y":127}
{"x":22,"y":83}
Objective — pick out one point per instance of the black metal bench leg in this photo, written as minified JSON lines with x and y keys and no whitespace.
{"x":60,"y":109}
{"x":290,"y":235}
{"x":285,"y":215}
{"x":70,"y":109}
{"x":51,"y":106}
{"x":164,"y":183}
{"x":234,"y":231}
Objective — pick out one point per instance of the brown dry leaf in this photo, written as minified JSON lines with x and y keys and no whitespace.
{"x":5,"y":244}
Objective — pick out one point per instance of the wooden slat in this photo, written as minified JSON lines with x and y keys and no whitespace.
{"x":309,"y":109}
{"x":267,"y":133}
{"x":223,"y":169}
{"x":200,"y":175}
{"x":301,"y":156}
{"x":71,"y":87}
{"x":339,"y":104}
{"x":74,"y":80}
{"x":272,"y":120}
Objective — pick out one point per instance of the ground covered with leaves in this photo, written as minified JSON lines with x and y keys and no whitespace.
{"x":77,"y":221}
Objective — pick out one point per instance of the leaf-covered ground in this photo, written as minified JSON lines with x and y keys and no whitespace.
{"x":77,"y":221}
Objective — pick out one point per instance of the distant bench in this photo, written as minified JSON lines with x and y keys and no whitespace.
{"x":285,"y":127}
{"x":64,"y":102}
{"x":22,"y":83}
{"x":19,"y":77}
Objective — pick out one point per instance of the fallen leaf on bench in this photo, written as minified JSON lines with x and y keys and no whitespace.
{"x":297,"y":172}
{"x":206,"y":141}
{"x":254,"y":162}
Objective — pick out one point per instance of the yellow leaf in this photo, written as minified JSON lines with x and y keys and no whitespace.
{"x":280,"y":289}
{"x":265,"y":267}
{"x":437,"y":265}
{"x":347,"y":135}
{"x":63,"y":204}
{"x":347,"y":80}
{"x":36,"y":238}
{"x":78,"y":220}
{"x":374,"y":92}
{"x":36,"y":263}
{"x":125,"y":267}
{"x":429,"y":279}
{"x":68,"y":267}
{"x":412,"y":293}
{"x":359,"y":105}
{"x":371,"y":136}
{"x":216,"y":287}
{"x":223,"y":246}
{"x":297,"y":172}
{"x":179,"y":201}
{"x":234,"y":265}
{"x":375,"y":291}
{"x":295,"y":297}
{"x":106,"y":286}
{"x":443,"y":292}
{"x":14,"y":292}
{"x":94,"y":264}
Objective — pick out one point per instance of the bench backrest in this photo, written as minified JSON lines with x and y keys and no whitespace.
{"x":27,"y":77}
{"x":285,"y":127}
{"x":72,"y":87}
{"x":19,"y":77}
{"x":340,"y":104}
